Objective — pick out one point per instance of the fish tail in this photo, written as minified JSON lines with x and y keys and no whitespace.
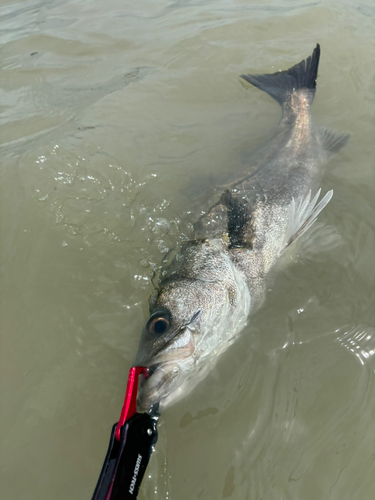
{"x":283,"y":84}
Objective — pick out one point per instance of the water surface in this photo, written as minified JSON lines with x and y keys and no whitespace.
{"x":120,"y":122}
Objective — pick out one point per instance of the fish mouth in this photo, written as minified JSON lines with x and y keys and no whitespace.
{"x":152,"y":369}
{"x":168,"y":369}
{"x":158,"y":385}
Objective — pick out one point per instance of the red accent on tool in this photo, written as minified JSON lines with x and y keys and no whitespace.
{"x":129,"y":407}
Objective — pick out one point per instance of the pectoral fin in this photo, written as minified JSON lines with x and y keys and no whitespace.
{"x":302,"y":215}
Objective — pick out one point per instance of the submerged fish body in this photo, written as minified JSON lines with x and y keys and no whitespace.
{"x":204,"y":299}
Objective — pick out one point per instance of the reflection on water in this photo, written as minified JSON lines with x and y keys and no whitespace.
{"x":120,"y":123}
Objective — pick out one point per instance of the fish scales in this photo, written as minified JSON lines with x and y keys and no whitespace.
{"x":205,"y":297}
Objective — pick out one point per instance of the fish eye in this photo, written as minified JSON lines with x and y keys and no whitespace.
{"x":158,"y":325}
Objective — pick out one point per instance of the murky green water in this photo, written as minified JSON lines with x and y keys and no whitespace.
{"x":119,"y":119}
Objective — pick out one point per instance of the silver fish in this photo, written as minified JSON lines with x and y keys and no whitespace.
{"x":205,"y":297}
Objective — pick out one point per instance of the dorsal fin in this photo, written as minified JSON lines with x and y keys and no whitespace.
{"x":237,"y":218}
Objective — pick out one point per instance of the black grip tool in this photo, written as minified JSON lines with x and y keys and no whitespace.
{"x":130,"y":446}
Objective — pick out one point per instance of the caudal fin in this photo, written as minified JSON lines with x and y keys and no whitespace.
{"x":282,"y":84}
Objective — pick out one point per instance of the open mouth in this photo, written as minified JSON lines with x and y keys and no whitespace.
{"x":152,"y":369}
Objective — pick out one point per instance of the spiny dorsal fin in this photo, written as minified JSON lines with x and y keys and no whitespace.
{"x":303,"y":215}
{"x":331,"y":141}
{"x":237,"y":218}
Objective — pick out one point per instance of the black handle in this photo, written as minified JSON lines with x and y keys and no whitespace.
{"x":126,"y":460}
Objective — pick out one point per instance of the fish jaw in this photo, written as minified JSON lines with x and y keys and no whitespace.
{"x":164,"y":381}
{"x":167,"y":370}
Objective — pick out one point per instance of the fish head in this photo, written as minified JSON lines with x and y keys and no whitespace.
{"x":184,"y":326}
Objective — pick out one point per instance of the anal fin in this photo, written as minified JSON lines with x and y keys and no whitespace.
{"x":303,"y":215}
{"x":331,"y":141}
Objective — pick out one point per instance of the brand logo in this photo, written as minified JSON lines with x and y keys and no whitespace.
{"x":135,"y":474}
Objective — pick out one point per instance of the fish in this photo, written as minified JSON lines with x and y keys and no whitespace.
{"x":218,"y":278}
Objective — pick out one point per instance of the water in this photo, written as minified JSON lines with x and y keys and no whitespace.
{"x":119,"y":119}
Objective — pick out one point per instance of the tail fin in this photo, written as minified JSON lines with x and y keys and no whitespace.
{"x":280,"y":85}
